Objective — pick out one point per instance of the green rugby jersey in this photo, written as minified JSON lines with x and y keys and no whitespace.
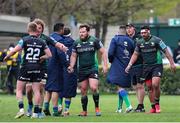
{"x":150,"y":50}
{"x":48,"y":41}
{"x":86,"y":53}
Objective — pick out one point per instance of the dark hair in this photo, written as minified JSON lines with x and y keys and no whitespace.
{"x":86,"y":26}
{"x":67,"y":31}
{"x":145,"y":27}
{"x":122,"y":27}
{"x":58,"y":26}
{"x":129,"y":25}
{"x":11,"y":45}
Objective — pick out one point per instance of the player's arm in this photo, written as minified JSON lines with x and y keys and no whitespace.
{"x":17,"y":48}
{"x":72,"y":62}
{"x":58,"y":45}
{"x":47,"y":54}
{"x":132,"y":61}
{"x":171,"y":61}
{"x":164,"y":48}
{"x":104,"y":58}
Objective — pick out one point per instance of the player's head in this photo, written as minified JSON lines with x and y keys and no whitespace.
{"x":122,"y":30}
{"x":32,"y":27}
{"x":84,"y":31}
{"x":67,"y":32}
{"x":130,"y":30}
{"x":145,"y":32}
{"x":40,"y":25}
{"x":59,"y":27}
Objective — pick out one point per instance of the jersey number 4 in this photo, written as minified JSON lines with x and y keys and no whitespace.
{"x":33,"y":54}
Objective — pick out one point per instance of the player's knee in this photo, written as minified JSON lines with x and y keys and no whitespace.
{"x":150,"y":89}
{"x":94,"y":89}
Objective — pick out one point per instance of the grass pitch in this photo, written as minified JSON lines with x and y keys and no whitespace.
{"x":170,"y":106}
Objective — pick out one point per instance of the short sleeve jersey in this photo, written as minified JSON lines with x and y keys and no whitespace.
{"x":150,"y":50}
{"x":86,"y":51}
{"x":33,"y":49}
{"x":48,"y":40}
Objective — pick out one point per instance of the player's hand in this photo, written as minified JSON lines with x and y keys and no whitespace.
{"x":105,"y":70}
{"x":70,"y":69}
{"x":173,"y":68}
{"x":5,"y":58}
{"x":64,"y":48}
{"x":128,"y":68}
{"x":42,"y":58}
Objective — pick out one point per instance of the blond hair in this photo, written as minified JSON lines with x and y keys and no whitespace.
{"x":39,"y":22}
{"x":32,"y":27}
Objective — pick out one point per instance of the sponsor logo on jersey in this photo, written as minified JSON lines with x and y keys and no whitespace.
{"x":152,"y":44}
{"x":91,"y":43}
{"x":125,"y":43}
{"x":159,"y":73}
{"x":79,"y":45}
{"x":141,"y":45}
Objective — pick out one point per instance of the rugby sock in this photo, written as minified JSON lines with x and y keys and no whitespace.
{"x":21,"y":105}
{"x":30,"y":105}
{"x":60,"y":101}
{"x":156,"y":101}
{"x":46,"y":105}
{"x":67,"y":104}
{"x":96,"y":99}
{"x":153,"y":106}
{"x":141,"y":106}
{"x":55,"y":110}
{"x":84,"y":102}
{"x":125,"y":97}
{"x":120,"y":101}
{"x":40,"y":109}
{"x":36,"y":108}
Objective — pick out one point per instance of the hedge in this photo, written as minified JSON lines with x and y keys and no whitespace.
{"x":170,"y":83}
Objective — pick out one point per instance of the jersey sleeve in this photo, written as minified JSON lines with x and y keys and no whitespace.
{"x":137,"y":48}
{"x":21,"y":43}
{"x":44,"y":45}
{"x":52,"y":41}
{"x":74,"y":47}
{"x":162,"y":45}
{"x":98,"y":44}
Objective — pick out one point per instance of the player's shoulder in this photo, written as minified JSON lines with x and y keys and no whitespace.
{"x":156,"y":39}
{"x":25,"y":37}
{"x":93,"y":39}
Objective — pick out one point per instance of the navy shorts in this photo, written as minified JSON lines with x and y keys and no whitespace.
{"x":29,"y":74}
{"x":44,"y":73}
{"x":150,"y":71}
{"x":86,"y":75}
{"x":136,"y":75}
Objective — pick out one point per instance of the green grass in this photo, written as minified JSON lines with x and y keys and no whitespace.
{"x":170,"y":107}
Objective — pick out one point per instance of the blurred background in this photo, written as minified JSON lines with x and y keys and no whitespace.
{"x":104,"y":16}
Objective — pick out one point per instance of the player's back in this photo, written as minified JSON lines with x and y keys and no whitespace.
{"x":33,"y":50}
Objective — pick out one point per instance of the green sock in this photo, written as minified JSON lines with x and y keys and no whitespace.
{"x":125,"y":97}
{"x":120,"y":101}
{"x":60,"y":101}
{"x":46,"y":105}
